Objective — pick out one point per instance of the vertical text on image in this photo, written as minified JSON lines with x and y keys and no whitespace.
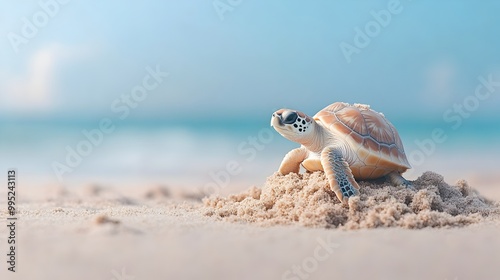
{"x":11,"y":220}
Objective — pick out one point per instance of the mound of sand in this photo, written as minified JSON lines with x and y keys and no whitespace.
{"x":307,"y":200}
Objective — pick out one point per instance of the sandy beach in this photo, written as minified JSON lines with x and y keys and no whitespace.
{"x":164,"y":139}
{"x":105,"y":232}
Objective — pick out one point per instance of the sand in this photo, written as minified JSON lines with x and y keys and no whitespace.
{"x":306,"y":199}
{"x":291,"y":228}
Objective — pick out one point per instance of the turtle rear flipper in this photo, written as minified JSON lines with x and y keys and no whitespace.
{"x":397,"y":180}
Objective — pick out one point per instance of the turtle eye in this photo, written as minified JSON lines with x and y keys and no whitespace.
{"x":289,"y":117}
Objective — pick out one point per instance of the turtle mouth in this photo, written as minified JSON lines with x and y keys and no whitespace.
{"x":277,"y":119}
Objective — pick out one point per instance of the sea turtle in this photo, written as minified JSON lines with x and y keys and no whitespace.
{"x":346,"y":142}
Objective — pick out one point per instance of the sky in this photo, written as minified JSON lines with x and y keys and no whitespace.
{"x":245,"y":59}
{"x":176,"y":77}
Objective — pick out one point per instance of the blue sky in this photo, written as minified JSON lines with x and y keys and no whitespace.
{"x":262,"y":56}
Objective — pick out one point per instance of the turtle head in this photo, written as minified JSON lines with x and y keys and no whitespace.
{"x":293,"y":125}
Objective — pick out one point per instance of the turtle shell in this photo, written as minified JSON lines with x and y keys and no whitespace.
{"x":371,"y":136}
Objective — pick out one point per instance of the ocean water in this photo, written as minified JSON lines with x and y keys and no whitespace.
{"x":208,"y":153}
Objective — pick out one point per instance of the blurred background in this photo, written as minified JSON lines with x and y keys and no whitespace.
{"x":64,"y":67}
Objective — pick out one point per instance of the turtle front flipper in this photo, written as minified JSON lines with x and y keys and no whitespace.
{"x":338,"y":173}
{"x":291,"y":162}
